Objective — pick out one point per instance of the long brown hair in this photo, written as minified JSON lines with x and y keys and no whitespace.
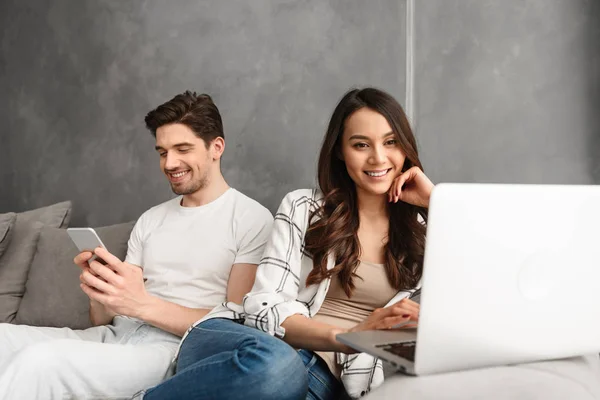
{"x":333,"y":227}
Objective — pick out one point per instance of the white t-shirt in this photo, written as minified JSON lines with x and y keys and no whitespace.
{"x":187,"y":252}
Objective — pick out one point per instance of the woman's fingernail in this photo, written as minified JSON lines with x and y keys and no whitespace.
{"x":406,"y":316}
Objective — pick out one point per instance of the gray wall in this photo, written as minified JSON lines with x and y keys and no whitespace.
{"x":78,"y":78}
{"x":505,"y":91}
{"x":509,"y":91}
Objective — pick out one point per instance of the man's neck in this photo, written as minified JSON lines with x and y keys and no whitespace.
{"x":213,"y":191}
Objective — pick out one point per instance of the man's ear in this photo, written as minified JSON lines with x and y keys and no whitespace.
{"x":217,"y":147}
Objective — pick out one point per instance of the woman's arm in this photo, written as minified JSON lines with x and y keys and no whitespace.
{"x":273,"y":297}
{"x":306,"y":333}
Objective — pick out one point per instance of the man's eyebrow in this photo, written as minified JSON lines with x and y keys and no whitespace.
{"x":363,"y":137}
{"x":184,"y":144}
{"x":178,"y":145}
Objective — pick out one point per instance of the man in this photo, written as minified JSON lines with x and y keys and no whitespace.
{"x":184,"y":257}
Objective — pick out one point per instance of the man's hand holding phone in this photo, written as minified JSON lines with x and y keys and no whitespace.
{"x":99,"y":313}
{"x":83,"y":259}
{"x":115,"y":285}
{"x":118,"y":285}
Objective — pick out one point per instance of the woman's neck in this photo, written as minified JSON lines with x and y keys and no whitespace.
{"x":372,"y":206}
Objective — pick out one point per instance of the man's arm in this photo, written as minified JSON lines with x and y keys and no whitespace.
{"x":169,"y":316}
{"x":100,"y":315}
{"x":119,"y":286}
{"x":177,"y":319}
{"x":241,"y":279}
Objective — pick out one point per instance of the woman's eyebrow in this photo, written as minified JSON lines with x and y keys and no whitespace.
{"x":363,"y":137}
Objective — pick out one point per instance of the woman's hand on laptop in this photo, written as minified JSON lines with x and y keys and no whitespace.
{"x":404,"y":313}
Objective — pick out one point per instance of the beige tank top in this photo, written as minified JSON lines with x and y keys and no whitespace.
{"x":371,"y":292}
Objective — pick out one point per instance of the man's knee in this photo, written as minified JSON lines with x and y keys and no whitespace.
{"x":43,"y":359}
{"x":7,"y":331}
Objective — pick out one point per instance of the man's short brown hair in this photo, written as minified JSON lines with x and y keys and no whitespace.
{"x":197,"y":111}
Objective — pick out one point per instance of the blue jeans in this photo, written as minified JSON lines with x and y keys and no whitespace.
{"x":222,"y":359}
{"x":322,"y":385}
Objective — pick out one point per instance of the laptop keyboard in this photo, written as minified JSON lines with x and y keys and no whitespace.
{"x":405,"y":350}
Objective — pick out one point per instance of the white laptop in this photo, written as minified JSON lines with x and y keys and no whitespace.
{"x":511,"y":275}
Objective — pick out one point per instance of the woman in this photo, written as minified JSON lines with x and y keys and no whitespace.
{"x":341,"y":259}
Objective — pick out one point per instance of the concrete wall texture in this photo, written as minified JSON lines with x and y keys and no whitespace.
{"x":505,"y":91}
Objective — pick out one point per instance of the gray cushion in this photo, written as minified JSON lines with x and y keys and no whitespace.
{"x":15,"y":263}
{"x":56,"y":215}
{"x":52,"y":295}
{"x":7,"y":222}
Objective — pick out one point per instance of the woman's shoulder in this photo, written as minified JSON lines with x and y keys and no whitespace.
{"x":299,"y":200}
{"x":304,"y":196}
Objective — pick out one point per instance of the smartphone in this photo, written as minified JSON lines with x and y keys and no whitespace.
{"x":416,"y":296}
{"x":86,"y":239}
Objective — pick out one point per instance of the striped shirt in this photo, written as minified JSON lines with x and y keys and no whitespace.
{"x":280,"y":289}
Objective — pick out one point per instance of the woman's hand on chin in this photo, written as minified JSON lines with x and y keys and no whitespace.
{"x":412,"y":187}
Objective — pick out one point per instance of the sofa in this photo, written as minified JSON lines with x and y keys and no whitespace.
{"x":39,"y":285}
